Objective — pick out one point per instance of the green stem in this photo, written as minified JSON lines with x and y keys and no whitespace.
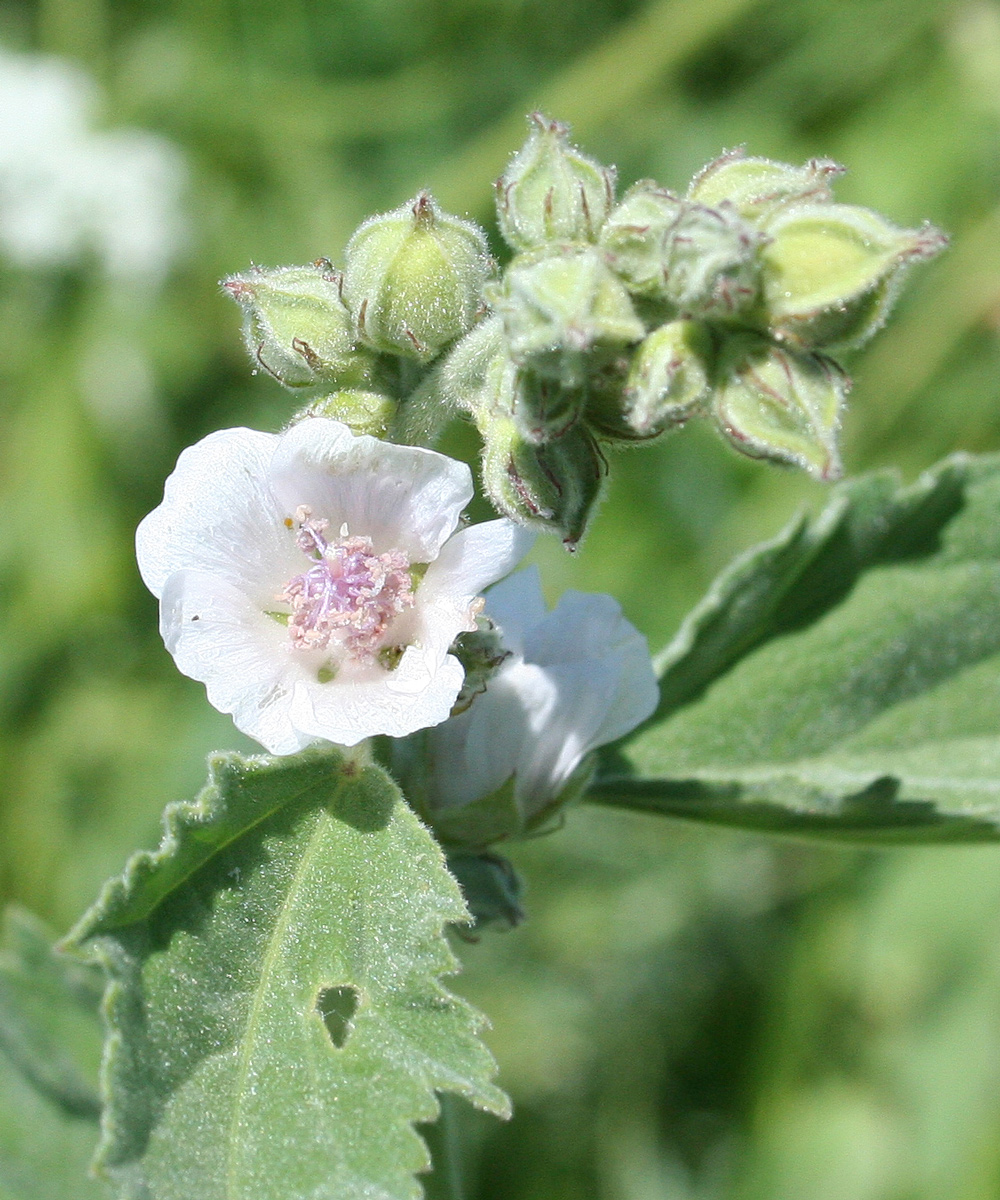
{"x":444,"y":1141}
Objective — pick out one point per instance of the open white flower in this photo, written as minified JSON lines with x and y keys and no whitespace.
{"x":314,"y":580}
{"x":576,"y":678}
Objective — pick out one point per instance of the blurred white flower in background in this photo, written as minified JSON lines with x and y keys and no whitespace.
{"x":68,"y":190}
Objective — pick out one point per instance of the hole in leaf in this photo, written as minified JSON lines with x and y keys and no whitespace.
{"x":337,"y":1005}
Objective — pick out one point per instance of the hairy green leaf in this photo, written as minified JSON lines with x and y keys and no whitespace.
{"x":844,"y":679}
{"x":49,"y":1050}
{"x":277,"y":1020}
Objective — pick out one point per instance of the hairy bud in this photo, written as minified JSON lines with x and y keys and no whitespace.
{"x":830,"y":272}
{"x":560,"y":304}
{"x":413,"y":278}
{"x":553,"y":486}
{"x":782,"y":405}
{"x":702,"y":260}
{"x":480,"y":377}
{"x":477,"y":376}
{"x":756,"y":187}
{"x":481,"y":653}
{"x":551,"y":192}
{"x":297,"y":327}
{"x":362,"y":411}
{"x":669,"y":379}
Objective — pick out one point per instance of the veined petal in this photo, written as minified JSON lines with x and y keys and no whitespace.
{"x":468,"y":562}
{"x":475,"y":753}
{"x":402,"y":497}
{"x":218,"y":515}
{"x":220,"y":638}
{"x":589,"y":628}
{"x":568,"y":730}
{"x":478,"y":556}
{"x":393,"y":704}
{"x":579,"y":677}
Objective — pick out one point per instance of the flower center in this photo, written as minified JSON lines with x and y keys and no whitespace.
{"x":349,"y":595}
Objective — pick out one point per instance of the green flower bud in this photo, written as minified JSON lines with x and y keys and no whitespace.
{"x":364,"y":412}
{"x":298,"y":328}
{"x":756,"y":187}
{"x":552,"y":486}
{"x":544,"y":408}
{"x":414,"y":277}
{"x":477,"y":376}
{"x":491,"y":888}
{"x":559,"y":305}
{"x":831,"y":272}
{"x":551,"y":192}
{"x":778,"y":404}
{"x":702,"y":260}
{"x":668,"y":381}
{"x":481,"y":653}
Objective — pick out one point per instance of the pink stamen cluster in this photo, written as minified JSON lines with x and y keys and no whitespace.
{"x":350,"y":594}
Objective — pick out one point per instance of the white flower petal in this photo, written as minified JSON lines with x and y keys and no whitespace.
{"x":581,"y":676}
{"x":402,"y":497}
{"x":476,"y":557}
{"x":475,"y":753}
{"x":218,"y":515}
{"x":517,"y":604}
{"x":591,"y":628}
{"x":218,"y":637}
{"x":349,"y":713}
{"x":468,"y":562}
{"x":563,"y":735}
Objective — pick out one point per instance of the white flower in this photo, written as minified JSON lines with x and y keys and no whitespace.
{"x":577,"y":678}
{"x":314,"y":580}
{"x":67,"y":189}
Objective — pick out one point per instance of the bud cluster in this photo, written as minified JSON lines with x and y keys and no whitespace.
{"x":360,"y":339}
{"x":616,"y":322}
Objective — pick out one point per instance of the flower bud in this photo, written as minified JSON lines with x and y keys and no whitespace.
{"x":668,"y":380}
{"x":702,"y":260}
{"x":361,"y":411}
{"x":551,"y":192}
{"x":830,"y":272}
{"x":558,"y":305}
{"x":477,"y":376}
{"x":544,"y":408}
{"x":756,"y":187}
{"x":552,"y":486}
{"x":413,"y":278}
{"x":481,"y":654}
{"x":491,"y":888}
{"x":298,"y":328}
{"x":778,"y":404}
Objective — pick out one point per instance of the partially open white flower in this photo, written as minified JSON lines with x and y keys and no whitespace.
{"x":576,"y":678}
{"x":314,"y":580}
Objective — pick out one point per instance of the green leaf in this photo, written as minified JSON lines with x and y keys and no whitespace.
{"x":842,"y":680}
{"x":49,"y":1025}
{"x":49,"y":1050}
{"x":277,"y":1020}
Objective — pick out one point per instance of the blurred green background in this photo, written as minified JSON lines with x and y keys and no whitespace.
{"x":688,"y":1014}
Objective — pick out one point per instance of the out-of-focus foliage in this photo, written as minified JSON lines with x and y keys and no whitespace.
{"x":686,"y":1015}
